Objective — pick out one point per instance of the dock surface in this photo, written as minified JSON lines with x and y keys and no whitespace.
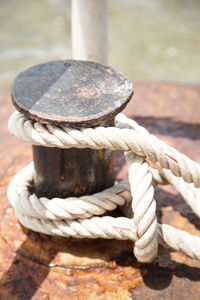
{"x":36,"y":266}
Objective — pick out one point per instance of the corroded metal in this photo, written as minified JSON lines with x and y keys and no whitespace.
{"x":72,"y":172}
{"x":36,"y":266}
{"x":71,"y":93}
{"x":76,"y":94}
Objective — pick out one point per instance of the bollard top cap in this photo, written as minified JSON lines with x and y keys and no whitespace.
{"x":71,"y":93}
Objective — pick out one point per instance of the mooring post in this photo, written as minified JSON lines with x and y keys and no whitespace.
{"x":75,"y":94}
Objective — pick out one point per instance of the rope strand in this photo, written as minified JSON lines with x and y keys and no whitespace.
{"x":78,"y":217}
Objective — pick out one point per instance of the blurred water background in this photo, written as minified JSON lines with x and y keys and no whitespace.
{"x":149,"y":40}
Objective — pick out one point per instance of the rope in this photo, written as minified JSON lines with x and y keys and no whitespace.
{"x":79,"y":217}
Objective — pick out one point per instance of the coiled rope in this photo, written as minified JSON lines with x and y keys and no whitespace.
{"x":79,"y":217}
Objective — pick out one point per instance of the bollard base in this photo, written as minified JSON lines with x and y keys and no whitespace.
{"x":72,"y":172}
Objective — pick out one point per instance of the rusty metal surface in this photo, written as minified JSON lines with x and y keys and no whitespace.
{"x":71,"y":172}
{"x":35,"y":266}
{"x":72,"y":93}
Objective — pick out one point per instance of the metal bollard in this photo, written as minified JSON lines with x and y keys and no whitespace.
{"x":75,"y":94}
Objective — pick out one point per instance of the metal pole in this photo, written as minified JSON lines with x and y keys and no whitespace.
{"x":89,"y":30}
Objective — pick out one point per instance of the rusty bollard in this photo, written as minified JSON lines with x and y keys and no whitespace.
{"x":76,"y":94}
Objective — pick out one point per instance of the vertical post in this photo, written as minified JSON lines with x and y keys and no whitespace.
{"x":89,"y":30}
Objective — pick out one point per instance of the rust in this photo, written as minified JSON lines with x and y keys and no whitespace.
{"x":36,"y":266}
{"x":87,"y":93}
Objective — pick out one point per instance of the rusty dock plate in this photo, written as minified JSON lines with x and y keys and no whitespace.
{"x":36,"y":266}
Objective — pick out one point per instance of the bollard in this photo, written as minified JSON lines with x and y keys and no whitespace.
{"x":76,"y":94}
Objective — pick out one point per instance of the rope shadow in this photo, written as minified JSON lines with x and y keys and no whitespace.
{"x":22,"y":279}
{"x":170,"y":127}
{"x":158,"y":278}
{"x":165,"y":199}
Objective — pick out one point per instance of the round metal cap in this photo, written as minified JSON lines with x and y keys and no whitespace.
{"x":71,"y":93}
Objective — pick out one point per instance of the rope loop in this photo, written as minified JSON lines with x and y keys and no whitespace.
{"x":79,"y":217}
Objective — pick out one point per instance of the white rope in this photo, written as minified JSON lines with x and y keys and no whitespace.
{"x":58,"y":209}
{"x":143,"y":207}
{"x":78,"y":217}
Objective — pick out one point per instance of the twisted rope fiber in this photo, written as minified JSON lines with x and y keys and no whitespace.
{"x":78,"y":217}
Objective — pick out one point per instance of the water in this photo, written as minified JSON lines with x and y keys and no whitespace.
{"x":156,"y":40}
